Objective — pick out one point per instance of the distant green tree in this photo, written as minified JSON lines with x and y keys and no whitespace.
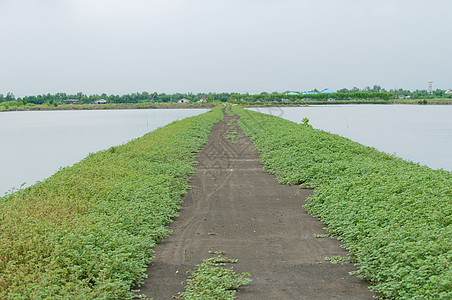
{"x":377,"y":89}
{"x":10,"y":97}
{"x":439,"y":93}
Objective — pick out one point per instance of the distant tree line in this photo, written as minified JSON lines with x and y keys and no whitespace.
{"x":401,"y":93}
{"x":144,"y":97}
{"x":374,"y":93}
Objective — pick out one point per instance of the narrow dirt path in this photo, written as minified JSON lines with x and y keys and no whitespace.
{"x":236,"y":206}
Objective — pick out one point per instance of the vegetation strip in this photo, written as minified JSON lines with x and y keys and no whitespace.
{"x":232,"y":134}
{"x":143,"y":100}
{"x":394,"y":216}
{"x":211,"y":280}
{"x":87,"y":232}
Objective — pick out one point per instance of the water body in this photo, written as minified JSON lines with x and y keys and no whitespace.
{"x":418,"y":133}
{"x":34,"y":145}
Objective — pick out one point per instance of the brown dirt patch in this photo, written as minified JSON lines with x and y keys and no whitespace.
{"x":256,"y":220}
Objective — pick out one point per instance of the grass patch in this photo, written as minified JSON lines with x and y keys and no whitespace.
{"x":228,"y":111}
{"x":232,"y":134}
{"x":211,"y":280}
{"x":87,"y":232}
{"x":394,"y":216}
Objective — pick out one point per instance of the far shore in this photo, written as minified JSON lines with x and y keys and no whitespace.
{"x":305,"y":102}
{"x":111,"y":106}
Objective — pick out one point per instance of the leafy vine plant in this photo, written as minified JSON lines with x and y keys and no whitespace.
{"x":212,"y":280}
{"x":305,"y":122}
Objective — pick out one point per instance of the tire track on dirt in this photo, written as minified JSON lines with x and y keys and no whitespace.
{"x":236,"y":206}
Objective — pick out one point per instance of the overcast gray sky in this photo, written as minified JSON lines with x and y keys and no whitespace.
{"x":125,"y":46}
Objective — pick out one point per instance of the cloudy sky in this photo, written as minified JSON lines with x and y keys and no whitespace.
{"x":125,"y":46}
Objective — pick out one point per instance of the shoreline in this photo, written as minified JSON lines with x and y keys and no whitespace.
{"x":211,"y":105}
{"x":113,"y":106}
{"x":104,"y":202}
{"x":344,"y":102}
{"x":92,"y":226}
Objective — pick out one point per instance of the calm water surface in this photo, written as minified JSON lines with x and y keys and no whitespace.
{"x":34,"y":145}
{"x":419,"y":133}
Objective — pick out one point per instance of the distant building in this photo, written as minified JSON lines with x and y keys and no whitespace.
{"x":202,"y":99}
{"x":285,"y":100}
{"x":310,"y":93}
{"x":448,"y":92}
{"x":183,"y":100}
{"x":70,"y":101}
{"x":292,"y":94}
{"x":327,"y":91}
{"x":100,"y":101}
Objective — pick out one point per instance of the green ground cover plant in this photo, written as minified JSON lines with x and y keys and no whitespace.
{"x":211,"y":280}
{"x":87,"y":232}
{"x":232,"y":134}
{"x":393,"y":215}
{"x":228,"y":111}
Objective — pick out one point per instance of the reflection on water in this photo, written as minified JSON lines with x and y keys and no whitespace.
{"x":419,"y":133}
{"x":36,"y":144}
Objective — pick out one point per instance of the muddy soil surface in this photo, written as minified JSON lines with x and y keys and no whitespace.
{"x":236,"y":206}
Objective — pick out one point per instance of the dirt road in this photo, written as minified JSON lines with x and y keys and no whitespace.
{"x":236,"y":206}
